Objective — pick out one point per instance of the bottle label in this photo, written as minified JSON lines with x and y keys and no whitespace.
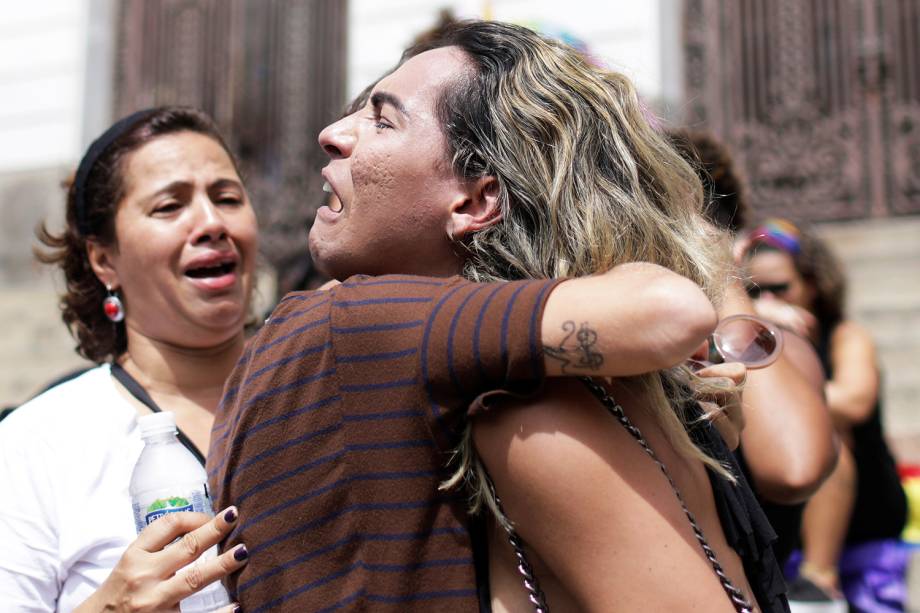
{"x":151,"y":506}
{"x":162,"y":506}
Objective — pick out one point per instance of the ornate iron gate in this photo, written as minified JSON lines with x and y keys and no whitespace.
{"x":270,"y":72}
{"x":819,"y":99}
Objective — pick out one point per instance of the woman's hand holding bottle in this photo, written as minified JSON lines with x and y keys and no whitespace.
{"x":151,"y":574}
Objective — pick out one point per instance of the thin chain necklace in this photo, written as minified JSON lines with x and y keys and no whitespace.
{"x":532,"y":586}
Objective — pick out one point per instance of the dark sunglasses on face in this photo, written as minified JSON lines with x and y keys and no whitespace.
{"x":777,"y":289}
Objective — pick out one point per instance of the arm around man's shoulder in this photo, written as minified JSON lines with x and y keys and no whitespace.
{"x":632,"y":319}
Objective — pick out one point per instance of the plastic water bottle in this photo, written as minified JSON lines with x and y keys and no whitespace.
{"x":167,"y":479}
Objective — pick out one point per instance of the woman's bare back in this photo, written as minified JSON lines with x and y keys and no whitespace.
{"x":604,"y":530}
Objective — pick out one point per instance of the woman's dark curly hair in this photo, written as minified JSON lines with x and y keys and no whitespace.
{"x":99,"y":339}
{"x":822,"y":269}
{"x":819,"y":268}
{"x":726,"y":203}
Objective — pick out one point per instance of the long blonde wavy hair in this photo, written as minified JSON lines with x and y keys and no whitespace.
{"x":585,"y":183}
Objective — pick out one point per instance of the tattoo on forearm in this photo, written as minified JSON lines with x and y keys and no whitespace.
{"x":577,"y":350}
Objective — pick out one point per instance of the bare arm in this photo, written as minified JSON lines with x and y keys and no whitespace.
{"x":788,"y":439}
{"x":852,"y":393}
{"x":633,"y":319}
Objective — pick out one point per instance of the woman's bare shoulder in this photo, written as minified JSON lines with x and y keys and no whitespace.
{"x":562,"y":433}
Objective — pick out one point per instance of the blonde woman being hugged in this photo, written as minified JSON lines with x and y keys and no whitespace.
{"x":577,"y":184}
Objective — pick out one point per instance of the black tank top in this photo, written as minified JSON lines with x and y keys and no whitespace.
{"x":880,"y":508}
{"x":744,"y":523}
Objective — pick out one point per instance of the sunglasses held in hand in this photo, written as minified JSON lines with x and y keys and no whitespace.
{"x":748,"y":339}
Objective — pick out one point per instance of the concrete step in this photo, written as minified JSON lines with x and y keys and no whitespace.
{"x":901,"y":416}
{"x":866,"y":240}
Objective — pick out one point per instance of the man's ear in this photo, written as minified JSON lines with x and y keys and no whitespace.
{"x":101,"y":260}
{"x":479,"y":208}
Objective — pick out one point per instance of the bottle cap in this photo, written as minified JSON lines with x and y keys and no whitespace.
{"x":157,"y":423}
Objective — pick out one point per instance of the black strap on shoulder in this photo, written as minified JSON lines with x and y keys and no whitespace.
{"x":138,"y":391}
{"x":478,"y":527}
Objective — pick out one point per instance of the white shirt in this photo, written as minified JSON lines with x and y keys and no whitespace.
{"x":66,"y":459}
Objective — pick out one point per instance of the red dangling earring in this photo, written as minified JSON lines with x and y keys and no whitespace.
{"x":112,"y":306}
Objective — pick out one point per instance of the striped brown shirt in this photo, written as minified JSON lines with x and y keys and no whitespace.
{"x":335,"y":430}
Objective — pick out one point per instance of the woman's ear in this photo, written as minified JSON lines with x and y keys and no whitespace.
{"x":102,"y":261}
{"x":478,"y":209}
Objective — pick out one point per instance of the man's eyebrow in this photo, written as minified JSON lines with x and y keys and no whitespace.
{"x":381,"y":98}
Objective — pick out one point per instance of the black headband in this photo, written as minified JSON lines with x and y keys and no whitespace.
{"x":92,"y":156}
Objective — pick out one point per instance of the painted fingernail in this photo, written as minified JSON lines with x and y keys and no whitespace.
{"x":230,"y":515}
{"x":240,"y":553}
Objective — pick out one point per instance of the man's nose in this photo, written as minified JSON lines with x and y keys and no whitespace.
{"x":338,"y":139}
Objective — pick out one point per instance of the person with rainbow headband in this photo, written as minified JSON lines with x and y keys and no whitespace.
{"x":851,"y":526}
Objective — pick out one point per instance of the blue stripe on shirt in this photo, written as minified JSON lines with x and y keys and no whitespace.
{"x":426,"y":381}
{"x":377,"y":327}
{"x":294,"y":332}
{"x":375,"y":387}
{"x":390,"y":300}
{"x":269,"y":367}
{"x":319,"y":404}
{"x":274,"y":320}
{"x":302,"y":296}
{"x":262,"y":485}
{"x":344,"y":602}
{"x":375,"y":357}
{"x":230,"y":393}
{"x":415,"y":596}
{"x":313,"y":464}
{"x":450,"y":341}
{"x":277,"y":390}
{"x":536,"y":352}
{"x":358,"y":507}
{"x":506,"y":320}
{"x":268,"y":606}
{"x":313,"y":406}
{"x":286,"y":388}
{"x":383,"y":537}
{"x":267,"y":394}
{"x":285,"y":445}
{"x":400,"y":414}
{"x":477,"y":331}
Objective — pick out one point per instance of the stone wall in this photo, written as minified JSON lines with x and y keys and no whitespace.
{"x":34,"y":346}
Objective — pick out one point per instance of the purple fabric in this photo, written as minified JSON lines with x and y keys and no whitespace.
{"x":873,"y":575}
